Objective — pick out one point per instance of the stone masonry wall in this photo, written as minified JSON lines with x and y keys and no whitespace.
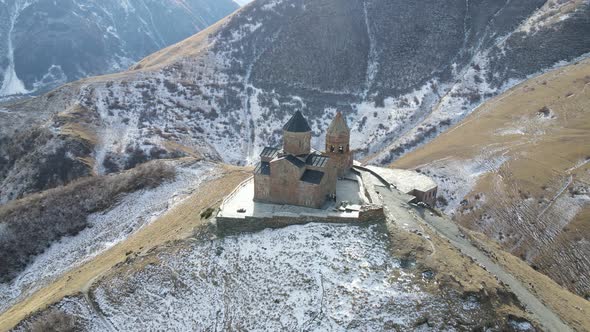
{"x":226,"y":226}
{"x":296,"y":143}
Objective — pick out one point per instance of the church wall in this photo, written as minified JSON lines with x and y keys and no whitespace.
{"x":310,"y":195}
{"x":341,"y":161}
{"x":261,"y":187}
{"x":337,"y":140}
{"x":284,"y":182}
{"x":296,"y":143}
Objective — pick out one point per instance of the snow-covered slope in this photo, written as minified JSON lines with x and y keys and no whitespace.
{"x":45,"y":43}
{"x":105,"y":230}
{"x":316,"y":277}
{"x":402,"y":72}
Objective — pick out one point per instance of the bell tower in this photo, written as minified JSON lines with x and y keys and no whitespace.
{"x":338,"y":144}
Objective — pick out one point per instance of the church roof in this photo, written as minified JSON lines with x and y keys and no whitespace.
{"x":295,"y":161}
{"x":311,"y":176}
{"x":338,"y":125}
{"x":262,"y":168}
{"x":317,"y":160}
{"x":297,"y":124}
{"x":270,"y":152}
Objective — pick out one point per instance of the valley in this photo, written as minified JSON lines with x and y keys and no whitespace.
{"x":221,"y":93}
{"x":110,"y":185}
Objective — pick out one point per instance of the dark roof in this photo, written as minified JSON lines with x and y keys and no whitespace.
{"x":317,"y":160}
{"x":311,"y":176}
{"x":269,"y":152}
{"x":295,"y":161}
{"x":262,"y":168}
{"x":297,"y":124}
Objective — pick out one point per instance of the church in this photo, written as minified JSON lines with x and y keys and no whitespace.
{"x":297,"y":175}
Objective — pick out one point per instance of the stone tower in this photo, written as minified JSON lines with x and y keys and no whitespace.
{"x":297,"y":136}
{"x":338,"y":144}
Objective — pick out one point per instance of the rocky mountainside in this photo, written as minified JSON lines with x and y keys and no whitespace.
{"x":518,"y":170}
{"x":402,"y":72}
{"x":45,"y":43}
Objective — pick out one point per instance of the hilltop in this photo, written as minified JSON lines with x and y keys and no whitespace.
{"x":131,"y":167}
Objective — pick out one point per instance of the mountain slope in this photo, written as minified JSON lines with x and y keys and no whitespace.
{"x":225,"y":92}
{"x":45,"y":43}
{"x":331,"y":278}
{"x":518,"y":170}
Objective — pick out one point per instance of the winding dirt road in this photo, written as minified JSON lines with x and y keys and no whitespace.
{"x":446,"y":228}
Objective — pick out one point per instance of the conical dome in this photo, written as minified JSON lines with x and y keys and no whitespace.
{"x":338,"y":125}
{"x":297,"y":124}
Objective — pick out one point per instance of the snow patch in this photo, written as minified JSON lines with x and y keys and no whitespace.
{"x":315,"y":276}
{"x":457,"y":178}
{"x":105,"y":230}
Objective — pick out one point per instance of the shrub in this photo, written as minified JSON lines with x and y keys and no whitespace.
{"x":170,"y":86}
{"x":53,"y":321}
{"x":32,"y":224}
{"x":442,"y":201}
{"x":207,"y":213}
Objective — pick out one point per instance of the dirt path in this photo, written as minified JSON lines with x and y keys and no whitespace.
{"x":542,"y":314}
{"x":93,"y":306}
{"x":105,"y":323}
{"x":447,"y":229}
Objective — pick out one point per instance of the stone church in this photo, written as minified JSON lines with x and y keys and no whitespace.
{"x":298,"y":175}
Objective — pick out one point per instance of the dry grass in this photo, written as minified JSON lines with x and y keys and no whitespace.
{"x":78,"y":122}
{"x":570,"y":129}
{"x":453,"y":270}
{"x":542,"y":128}
{"x":175,"y":146}
{"x":571,"y":308}
{"x":178,"y":223}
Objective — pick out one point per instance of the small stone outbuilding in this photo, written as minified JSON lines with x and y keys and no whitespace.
{"x":410,"y":182}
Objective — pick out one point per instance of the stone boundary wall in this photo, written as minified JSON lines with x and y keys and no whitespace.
{"x":374,"y":174}
{"x":225,"y":226}
{"x":235,"y":191}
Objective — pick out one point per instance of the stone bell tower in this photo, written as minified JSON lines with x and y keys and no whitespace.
{"x":338,"y":144}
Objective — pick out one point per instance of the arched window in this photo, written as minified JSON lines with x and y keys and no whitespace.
{"x":331,"y":148}
{"x":341,"y":149}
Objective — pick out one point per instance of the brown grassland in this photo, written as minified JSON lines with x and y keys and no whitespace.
{"x":534,"y":202}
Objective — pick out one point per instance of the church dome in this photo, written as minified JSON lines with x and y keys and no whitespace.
{"x":297,"y":124}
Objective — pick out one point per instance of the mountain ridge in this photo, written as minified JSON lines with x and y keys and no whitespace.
{"x":46,"y":45}
{"x":210,"y":94}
